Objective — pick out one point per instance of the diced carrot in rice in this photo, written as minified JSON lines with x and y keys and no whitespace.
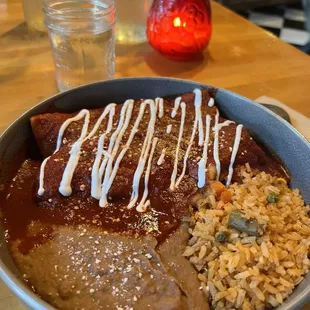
{"x":226,"y":196}
{"x":218,"y":188}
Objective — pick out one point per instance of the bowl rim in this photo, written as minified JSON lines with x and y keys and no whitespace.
{"x":19,"y":288}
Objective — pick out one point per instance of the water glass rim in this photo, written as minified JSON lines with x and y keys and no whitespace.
{"x":82,"y":13}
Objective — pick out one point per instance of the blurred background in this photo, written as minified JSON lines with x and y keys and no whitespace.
{"x":287,"y":19}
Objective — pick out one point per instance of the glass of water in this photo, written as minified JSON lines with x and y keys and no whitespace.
{"x":83,"y":40}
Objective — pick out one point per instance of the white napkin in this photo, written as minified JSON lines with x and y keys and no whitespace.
{"x":299,"y":121}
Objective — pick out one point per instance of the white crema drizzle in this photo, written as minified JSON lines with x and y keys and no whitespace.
{"x":161,"y":157}
{"x":234,"y":153}
{"x":62,"y":129}
{"x":112,"y":151}
{"x":107,"y":162}
{"x":65,"y":185}
{"x":127,"y":146}
{"x":216,"y":146}
{"x":211,"y":102}
{"x":177,"y":150}
{"x":41,"y":189}
{"x":169,"y":127}
{"x":141,"y":207}
{"x":95,"y":179}
{"x":203,"y":161}
{"x":197,"y":123}
{"x":113,"y":137}
{"x":143,"y":156}
{"x":198,"y":116}
{"x":217,"y":127}
{"x":177,"y":102}
{"x":160,"y":107}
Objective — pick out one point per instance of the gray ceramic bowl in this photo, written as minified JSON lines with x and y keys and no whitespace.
{"x":274,"y":132}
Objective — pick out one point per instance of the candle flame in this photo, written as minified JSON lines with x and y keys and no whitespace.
{"x":177,"y":22}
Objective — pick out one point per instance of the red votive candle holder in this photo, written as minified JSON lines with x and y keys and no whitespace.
{"x":179,"y":29}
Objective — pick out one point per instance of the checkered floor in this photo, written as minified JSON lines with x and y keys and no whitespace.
{"x":286,"y":22}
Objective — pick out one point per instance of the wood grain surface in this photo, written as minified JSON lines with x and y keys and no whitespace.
{"x":241,"y":57}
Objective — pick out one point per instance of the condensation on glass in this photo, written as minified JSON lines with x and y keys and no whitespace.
{"x":82,"y":35}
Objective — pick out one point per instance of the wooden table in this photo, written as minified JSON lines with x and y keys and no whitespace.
{"x":241,"y":57}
